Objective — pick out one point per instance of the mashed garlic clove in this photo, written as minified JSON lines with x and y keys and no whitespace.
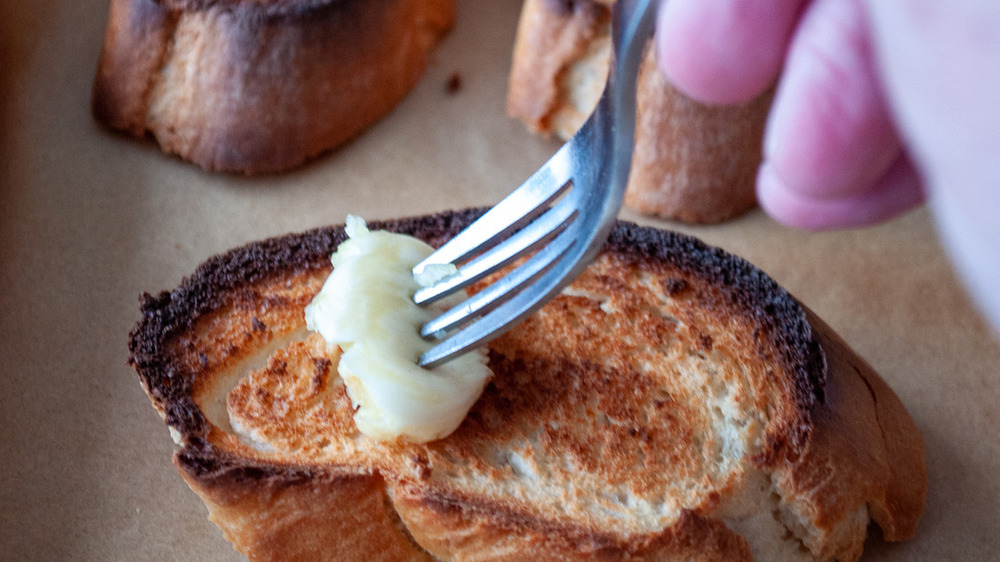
{"x":366,"y":307}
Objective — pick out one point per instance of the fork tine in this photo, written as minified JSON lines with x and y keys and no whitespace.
{"x":514,"y":211}
{"x":538,"y":232}
{"x":502,"y":290}
{"x":511,"y":304}
{"x":597,"y":158}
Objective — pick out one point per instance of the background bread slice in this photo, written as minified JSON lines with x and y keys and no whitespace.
{"x":674,"y":402}
{"x":692,"y":162}
{"x":257,"y":86}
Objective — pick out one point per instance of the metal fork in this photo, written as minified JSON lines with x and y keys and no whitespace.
{"x":565,"y":211}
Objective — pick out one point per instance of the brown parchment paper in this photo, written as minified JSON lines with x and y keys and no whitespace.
{"x":89,"y":220}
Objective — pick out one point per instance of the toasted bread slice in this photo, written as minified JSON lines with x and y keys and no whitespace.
{"x":673,"y":403}
{"x":259,"y":86}
{"x":693,"y":162}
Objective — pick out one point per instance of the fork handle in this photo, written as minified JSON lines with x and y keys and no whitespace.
{"x":632,"y":23}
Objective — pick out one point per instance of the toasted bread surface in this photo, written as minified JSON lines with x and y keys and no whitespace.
{"x":672,"y":403}
{"x":260,"y":86}
{"x":692,"y":162}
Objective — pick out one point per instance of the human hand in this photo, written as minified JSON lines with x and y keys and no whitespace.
{"x":880,"y":103}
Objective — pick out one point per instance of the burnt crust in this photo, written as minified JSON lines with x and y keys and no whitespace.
{"x":172,"y":312}
{"x":780,"y":318}
{"x":241,"y":46}
{"x":264,"y":9}
{"x":568,"y":7}
{"x":151,"y":24}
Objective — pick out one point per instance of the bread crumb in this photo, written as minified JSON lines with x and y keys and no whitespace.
{"x":454,"y":83}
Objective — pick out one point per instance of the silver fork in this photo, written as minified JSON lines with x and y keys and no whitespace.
{"x":565,"y":211}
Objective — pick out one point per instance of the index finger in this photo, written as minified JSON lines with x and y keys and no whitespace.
{"x":724,"y":51}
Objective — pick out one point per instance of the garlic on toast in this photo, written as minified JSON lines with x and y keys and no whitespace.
{"x":366,"y":310}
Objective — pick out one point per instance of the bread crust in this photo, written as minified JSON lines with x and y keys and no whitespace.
{"x":274,"y":513}
{"x":840,"y":445}
{"x":888,"y":479}
{"x":260,"y":86}
{"x":457,"y":530}
{"x":560,"y":63}
{"x":692,"y":162}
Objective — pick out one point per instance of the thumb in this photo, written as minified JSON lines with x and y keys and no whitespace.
{"x":831,"y":154}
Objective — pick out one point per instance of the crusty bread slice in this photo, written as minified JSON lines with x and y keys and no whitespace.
{"x":692,"y":162}
{"x":673,"y":403}
{"x":259,"y":86}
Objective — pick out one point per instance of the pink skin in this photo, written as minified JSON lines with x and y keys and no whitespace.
{"x":880,"y":104}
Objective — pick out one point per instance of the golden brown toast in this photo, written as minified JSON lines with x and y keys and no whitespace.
{"x":673,"y":403}
{"x":259,"y":86}
{"x":692,"y":162}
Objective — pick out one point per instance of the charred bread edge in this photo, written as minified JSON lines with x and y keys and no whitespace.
{"x":163,"y":316}
{"x":255,"y":8}
{"x":127,"y":77}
